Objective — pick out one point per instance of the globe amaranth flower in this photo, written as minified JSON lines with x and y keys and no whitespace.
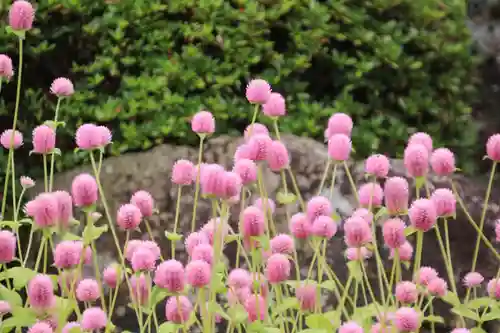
{"x":393,"y":232}
{"x":203,"y":123}
{"x":300,"y":226}
{"x":275,"y":106}
{"x":416,"y":160}
{"x":62,"y":87}
{"x":278,"y":268}
{"x":370,"y":195}
{"x":443,"y":162}
{"x":396,"y":192}
{"x":7,"y":246}
{"x":339,"y":123}
{"x":44,"y":139}
{"x":84,"y":190}
{"x":421,"y":138}
{"x":423,"y":214}
{"x":144,"y":201}
{"x":339,"y":147}
{"x":377,"y":165}
{"x":258,"y":91}
{"x":178,"y":309}
{"x":254,"y":129}
{"x":21,"y":15}
{"x":6,"y":68}
{"x":8,"y":141}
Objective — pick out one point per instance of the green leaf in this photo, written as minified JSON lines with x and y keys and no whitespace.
{"x":451,"y":298}
{"x":381,"y":212}
{"x":167,"y":327}
{"x":56,"y":151}
{"x":91,"y":233}
{"x":158,"y":295}
{"x":173,"y":237}
{"x":21,"y":276}
{"x":287,"y":303}
{"x":10,"y":224}
{"x":231,"y":238}
{"x":313,"y":330}
{"x":286,"y":198}
{"x":419,"y":182}
{"x":215,"y":307}
{"x":68,"y":236}
{"x":329,"y":285}
{"x":434,"y":319}
{"x":268,"y":329}
{"x":318,"y":321}
{"x":355,"y":270}
{"x":477,"y":303}
{"x":494,"y":314}
{"x":237,"y":313}
{"x":477,"y":330}
{"x":10,"y":296}
{"x":255,"y":327}
{"x":463,"y":311}
{"x":410,"y":230}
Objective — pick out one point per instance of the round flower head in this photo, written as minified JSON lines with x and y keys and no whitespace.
{"x":62,"y":87}
{"x":306,"y":295}
{"x":198,"y":273}
{"x":4,"y":308}
{"x":282,"y":243}
{"x":87,"y":290}
{"x":170,"y":275}
{"x":210,"y":179}
{"x":40,"y":327}
{"x":324,"y":227}
{"x":131,"y":247}
{"x":64,"y":207}
{"x":258,"y":91}
{"x":203,"y":252}
{"x":253,"y":221}
{"x":396,"y":193}
{"x":6,"y":68}
{"x":443,"y":162}
{"x":105,"y":136}
{"x":183,"y":173}
{"x":128,"y":217}
{"x":26,"y":182}
{"x":357,"y":232}
{"x":423,"y":139}
{"x":237,"y":296}
{"x":393,"y":231}
{"x":246,"y":169}
{"x":44,"y":139}
{"x":88,"y":137}
{"x":425,"y":275}
{"x":256,"y":307}
{"x":405,"y":252}
{"x":493,"y":288}
{"x":422,"y":214}
{"x":258,"y":147}
{"x":203,"y":123}
{"x":300,"y":226}
{"x":21,"y":15}
{"x":379,"y":328}
{"x":7,"y":246}
{"x":144,"y":201}
{"x":41,"y":292}
{"x":350,"y":327}
{"x":270,"y":205}
{"x":67,"y":254}
{"x":111,"y":276}
{"x":277,"y":157}
{"x":357,"y":253}
{"x":275,"y":106}
{"x":365,"y":214}
{"x":143,"y":260}
{"x":6,"y":139}
{"x":45,"y":210}
{"x":437,"y":287}
{"x":93,"y":319}
{"x":473,"y":279}
{"x":178,"y":309}
{"x":493,"y":147}
{"x":339,"y":147}
{"x":229,"y":185}
{"x":239,"y":278}
{"x":416,"y":160}
{"x":255,"y":129}
{"x":72,"y":324}
{"x":193,"y":240}
{"x":213,"y":226}
{"x":278,"y":268}
{"x":444,"y":201}
{"x":370,"y":195}
{"x":339,"y":123}
{"x":84,"y":190}
{"x":406,"y":319}
{"x":377,"y":165}
{"x":406,"y":292}
{"x":140,"y":288}
{"x":318,"y":206}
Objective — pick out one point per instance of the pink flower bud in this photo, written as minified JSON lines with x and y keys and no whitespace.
{"x":275,"y":106}
{"x":437,"y":287}
{"x":324,"y":227}
{"x":406,"y":320}
{"x":7,"y":246}
{"x":473,"y":279}
{"x":393,"y":231}
{"x":306,"y":294}
{"x":88,"y":137}
{"x":170,"y":275}
{"x":183,"y":172}
{"x":443,"y":162}
{"x":277,"y":157}
{"x":406,"y":292}
{"x":198,"y":273}
{"x":422,"y":214}
{"x":493,"y":288}
{"x":253,"y":221}
{"x":128,"y":217}
{"x":62,"y":87}
{"x":6,"y":68}
{"x":493,"y":147}
{"x":93,"y":319}
{"x":44,"y":139}
{"x":416,"y":160}
{"x":6,"y":139}
{"x":239,"y":278}
{"x":339,"y":123}
{"x":178,"y":309}
{"x":255,"y":129}
{"x":377,"y":165}
{"x":84,"y":190}
{"x":26,"y":182}
{"x":283,"y":244}
{"x":256,"y":311}
{"x":41,"y":292}
{"x":318,"y":206}
{"x":203,"y":123}
{"x":425,"y":275}
{"x":339,"y":147}
{"x":21,"y":15}
{"x":405,"y":252}
{"x":350,"y":327}
{"x":247,"y":170}
{"x":422,"y":139}
{"x":87,"y":290}
{"x":278,"y":268}
{"x":396,"y":192}
{"x":258,"y":91}
{"x":258,"y":147}
{"x":357,"y":232}
{"x":144,"y":201}
{"x":444,"y":201}
{"x":300,"y":226}
{"x":112,"y":276}
{"x":370,"y":195}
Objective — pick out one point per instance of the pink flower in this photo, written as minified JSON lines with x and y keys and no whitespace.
{"x":67,"y":254}
{"x":131,"y":247}
{"x":422,"y":214}
{"x":357,"y":232}
{"x":255,"y":129}
{"x":473,"y":279}
{"x":365,"y":214}
{"x":422,"y":139}
{"x":277,"y":157}
{"x":275,"y":106}
{"x":105,"y":136}
{"x":203,"y":123}
{"x":370,"y":194}
{"x":350,"y":327}
{"x":405,"y":252}
{"x":6,"y":68}
{"x":178,"y":309}
{"x":170,"y":275}
{"x":128,"y":217}
{"x":379,"y":328}
{"x":339,"y":147}
{"x":460,"y":330}
{"x":44,"y":139}
{"x":239,"y":278}
{"x":111,"y":276}
{"x":68,"y":280}
{"x":40,"y":327}
{"x":41,"y":292}
{"x":4,"y":308}
{"x":407,"y":320}
{"x":493,"y":288}
{"x":278,"y":268}
{"x":270,"y":205}
{"x":258,"y":91}
{"x":318,"y":206}
{"x":64,"y":207}
{"x":253,"y":221}
{"x":324,"y":226}
{"x":339,"y":123}
{"x":21,"y":15}
{"x":7,"y":246}
{"x":87,"y":290}
{"x":393,"y":231}
{"x":211,"y":179}
{"x":44,"y":209}
{"x":62,"y":87}
{"x":84,"y":190}
{"x":256,"y":307}
{"x":396,"y":195}
{"x":416,"y":160}
{"x":246,"y":169}
{"x":88,"y":137}
{"x":437,"y":287}
{"x":406,"y":292}
{"x":6,"y":139}
{"x":203,"y":252}
{"x":283,"y":244}
{"x":357,"y":253}
{"x":195,"y":239}
{"x":183,"y":173}
{"x":67,"y":328}
{"x":212,"y":227}
{"x":140,"y":288}
{"x":443,"y":162}
{"x":300,"y":226}
{"x":377,"y":165}
{"x":26,"y":182}
{"x":143,"y":260}
{"x":258,"y":147}
{"x":237,"y":296}
{"x":493,"y":147}
{"x":306,"y":295}
{"x":229,"y":186}
{"x":93,"y":319}
{"x":198,"y":273}
{"x":144,"y":201}
{"x":425,"y":275}
{"x":444,"y":201}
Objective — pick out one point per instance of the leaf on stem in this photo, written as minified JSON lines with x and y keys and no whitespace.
{"x":172,"y":236}
{"x":286,"y":198}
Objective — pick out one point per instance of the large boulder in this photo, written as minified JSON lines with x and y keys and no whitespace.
{"x":122,"y":176}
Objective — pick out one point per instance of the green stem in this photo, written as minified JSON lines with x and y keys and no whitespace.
{"x":52,"y":158}
{"x":176,"y":221}
{"x":197,"y":185}
{"x":370,"y":290}
{"x":45,"y":173}
{"x":418,"y":253}
{"x":325,"y":175}
{"x":351,"y":181}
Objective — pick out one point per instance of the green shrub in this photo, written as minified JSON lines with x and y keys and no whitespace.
{"x":144,"y":67}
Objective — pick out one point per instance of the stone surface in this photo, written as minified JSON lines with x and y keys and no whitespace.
{"x":122,"y":176}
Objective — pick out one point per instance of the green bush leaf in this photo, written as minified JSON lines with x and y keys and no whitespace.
{"x":10,"y":296}
{"x":173,"y":237}
{"x":20,"y":275}
{"x":286,"y":198}
{"x":479,"y":303}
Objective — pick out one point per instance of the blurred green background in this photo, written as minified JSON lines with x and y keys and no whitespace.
{"x":144,"y":68}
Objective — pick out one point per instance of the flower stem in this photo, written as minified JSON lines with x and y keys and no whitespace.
{"x":176,"y":221}
{"x":197,"y":185}
{"x":418,"y":253}
{"x":52,"y":158}
{"x":45,"y":173}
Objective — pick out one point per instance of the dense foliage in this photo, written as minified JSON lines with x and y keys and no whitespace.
{"x":144,"y":68}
